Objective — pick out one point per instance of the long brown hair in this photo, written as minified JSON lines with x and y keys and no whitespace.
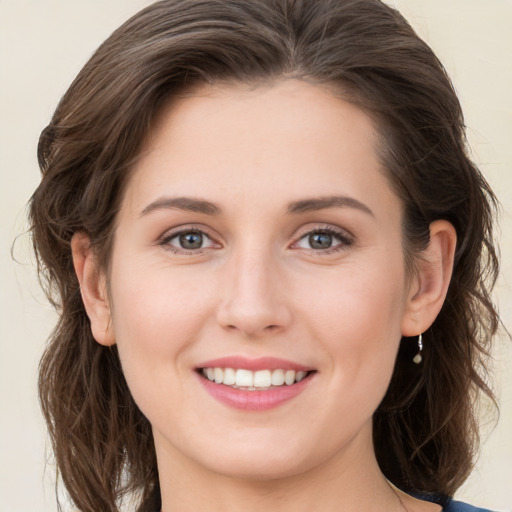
{"x":425,"y":430}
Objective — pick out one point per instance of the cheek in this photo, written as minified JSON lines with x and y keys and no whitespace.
{"x":356,"y":317}
{"x":357,"y":299}
{"x":156,"y":303}
{"x":156,"y":316}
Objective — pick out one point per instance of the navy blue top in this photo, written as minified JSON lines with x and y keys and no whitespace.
{"x":448,"y":504}
{"x":453,"y":506}
{"x":457,"y":506}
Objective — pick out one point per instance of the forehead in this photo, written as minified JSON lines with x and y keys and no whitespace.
{"x":289,"y":107}
{"x":278,"y":139}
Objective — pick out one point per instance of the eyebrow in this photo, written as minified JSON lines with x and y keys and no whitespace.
{"x":302,"y":206}
{"x":320,"y":203}
{"x":182,"y":203}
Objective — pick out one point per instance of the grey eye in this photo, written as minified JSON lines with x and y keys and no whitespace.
{"x":323,"y":240}
{"x":320,"y":240}
{"x":188,"y":242}
{"x":191,"y":240}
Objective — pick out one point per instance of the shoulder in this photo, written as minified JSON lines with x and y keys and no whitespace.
{"x":458,"y":506}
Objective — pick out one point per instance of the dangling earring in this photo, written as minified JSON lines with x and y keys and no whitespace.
{"x":418,"y":357}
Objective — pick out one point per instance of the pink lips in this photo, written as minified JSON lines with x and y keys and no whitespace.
{"x":253,"y":400}
{"x":262,"y":363}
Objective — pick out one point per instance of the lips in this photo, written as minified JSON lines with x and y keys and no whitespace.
{"x":253,"y":384}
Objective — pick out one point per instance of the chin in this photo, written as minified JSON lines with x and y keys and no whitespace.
{"x":262,"y":461}
{"x":259,"y":469}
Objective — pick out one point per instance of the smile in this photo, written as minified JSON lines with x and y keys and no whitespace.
{"x":254,"y":384}
{"x":253,"y":380}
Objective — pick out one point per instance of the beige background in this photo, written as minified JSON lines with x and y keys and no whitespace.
{"x":43,"y":44}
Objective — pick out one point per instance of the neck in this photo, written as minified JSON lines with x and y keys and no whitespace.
{"x":351,"y":482}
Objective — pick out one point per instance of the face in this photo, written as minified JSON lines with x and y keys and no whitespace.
{"x":257,"y":281}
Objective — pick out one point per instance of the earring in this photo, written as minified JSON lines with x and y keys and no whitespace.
{"x":418,"y":357}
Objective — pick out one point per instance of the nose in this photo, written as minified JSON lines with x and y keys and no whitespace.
{"x":254,"y":301}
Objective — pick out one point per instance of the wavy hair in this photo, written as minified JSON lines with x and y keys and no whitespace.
{"x":426,"y":429}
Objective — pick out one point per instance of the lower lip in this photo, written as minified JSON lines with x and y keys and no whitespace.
{"x":254,"y":400}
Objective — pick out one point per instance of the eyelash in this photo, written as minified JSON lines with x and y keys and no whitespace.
{"x":165,"y":241}
{"x":345,"y":240}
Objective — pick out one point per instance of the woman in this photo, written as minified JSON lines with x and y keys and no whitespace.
{"x":272,"y":258}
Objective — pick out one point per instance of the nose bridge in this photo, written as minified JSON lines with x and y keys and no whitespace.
{"x":253,"y":299}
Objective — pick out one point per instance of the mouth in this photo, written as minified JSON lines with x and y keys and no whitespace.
{"x":254,"y":385}
{"x":248,"y":380}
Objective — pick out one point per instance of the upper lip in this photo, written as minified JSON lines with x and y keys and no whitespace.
{"x":261,"y":363}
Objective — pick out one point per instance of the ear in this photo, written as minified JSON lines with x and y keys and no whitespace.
{"x":430,"y":284}
{"x":93,"y":288}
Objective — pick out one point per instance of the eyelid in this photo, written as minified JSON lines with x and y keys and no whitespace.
{"x":346,"y":238}
{"x":172,"y":233}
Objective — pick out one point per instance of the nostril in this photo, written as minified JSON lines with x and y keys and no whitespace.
{"x":272,"y":327}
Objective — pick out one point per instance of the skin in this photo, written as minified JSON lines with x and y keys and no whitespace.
{"x":257,"y":288}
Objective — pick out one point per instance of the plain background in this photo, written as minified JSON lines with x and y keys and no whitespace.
{"x":44,"y":43}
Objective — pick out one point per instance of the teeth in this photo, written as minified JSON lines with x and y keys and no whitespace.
{"x":277,"y":378}
{"x":243,"y":378}
{"x":229,"y":377}
{"x":261,"y":379}
{"x":300,"y":375}
{"x":289,"y":377}
{"x":218,"y":375}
